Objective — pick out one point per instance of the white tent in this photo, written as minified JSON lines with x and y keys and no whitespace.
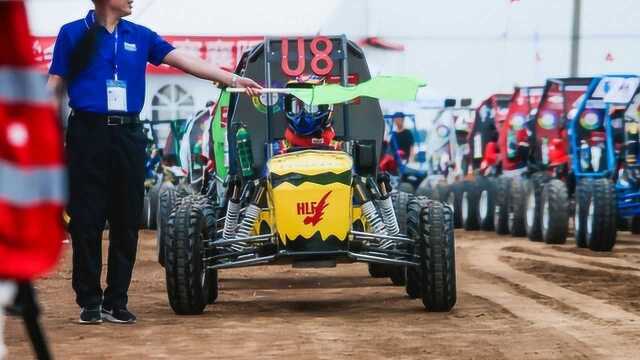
{"x":463,"y":48}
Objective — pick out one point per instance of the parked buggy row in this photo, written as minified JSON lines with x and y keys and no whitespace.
{"x":547,"y":161}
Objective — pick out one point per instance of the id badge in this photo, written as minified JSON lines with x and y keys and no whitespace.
{"x":117,"y":95}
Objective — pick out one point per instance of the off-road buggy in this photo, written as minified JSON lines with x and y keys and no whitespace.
{"x":549,"y":182}
{"x":604,"y":162}
{"x":447,"y":154}
{"x":180,"y":171}
{"x":507,"y":161}
{"x":313,"y":207}
{"x":474,"y":191}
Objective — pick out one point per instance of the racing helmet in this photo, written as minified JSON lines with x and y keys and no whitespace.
{"x":305,"y":119}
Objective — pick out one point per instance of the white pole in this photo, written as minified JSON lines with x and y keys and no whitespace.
{"x":264,"y":90}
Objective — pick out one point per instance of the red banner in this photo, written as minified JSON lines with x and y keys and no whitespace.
{"x":222,"y":51}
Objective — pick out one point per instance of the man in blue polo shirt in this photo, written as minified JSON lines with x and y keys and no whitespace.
{"x":101,"y":61}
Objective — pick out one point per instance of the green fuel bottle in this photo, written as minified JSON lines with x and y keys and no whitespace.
{"x":243,"y":147}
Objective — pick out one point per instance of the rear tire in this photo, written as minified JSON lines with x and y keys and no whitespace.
{"x":153,"y":206}
{"x":533,"y":211}
{"x":454,"y":199}
{"x":431,"y":225}
{"x":424,"y":189}
{"x":635,"y":225}
{"x":166,"y":202}
{"x":378,"y":270}
{"x":190,"y":287}
{"x":469,"y":205}
{"x":501,"y":215}
{"x":555,"y":212}
{"x":406,"y":187}
{"x":400,"y":201}
{"x":601,"y":216}
{"x":440,"y":192}
{"x":517,"y":208}
{"x":145,"y":219}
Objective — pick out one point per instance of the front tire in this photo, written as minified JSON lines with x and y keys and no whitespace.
{"x":469,"y":204}
{"x":517,"y":208}
{"x":501,"y":215}
{"x":190,"y":286}
{"x":601,"y":216}
{"x":431,"y":225}
{"x":555,"y":212}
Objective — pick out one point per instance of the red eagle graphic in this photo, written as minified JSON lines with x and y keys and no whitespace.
{"x":318,"y":212}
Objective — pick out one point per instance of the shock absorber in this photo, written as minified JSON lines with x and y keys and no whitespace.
{"x":233,"y":208}
{"x":251,"y":214}
{"x":369,"y":211}
{"x":386,"y":206}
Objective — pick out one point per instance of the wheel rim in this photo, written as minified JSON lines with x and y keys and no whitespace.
{"x":465,"y":207}
{"x":451,"y":200}
{"x":510,"y":220}
{"x":531,"y":209}
{"x":484,"y":204}
{"x":590,"y":217}
{"x":148,"y":216}
{"x":545,"y":218}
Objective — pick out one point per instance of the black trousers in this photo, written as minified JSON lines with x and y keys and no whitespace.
{"x":106,"y":179}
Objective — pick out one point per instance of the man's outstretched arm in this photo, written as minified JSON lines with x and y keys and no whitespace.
{"x":204,"y":70}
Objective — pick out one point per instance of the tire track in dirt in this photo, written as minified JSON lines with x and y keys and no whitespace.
{"x":607,"y":329}
{"x":614,"y":288}
{"x":603,"y":340}
{"x":569,"y":253}
{"x":586,"y":265}
{"x":486,"y":259}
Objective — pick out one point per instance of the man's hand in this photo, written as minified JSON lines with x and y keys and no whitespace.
{"x":202,"y":69}
{"x":251,"y":87}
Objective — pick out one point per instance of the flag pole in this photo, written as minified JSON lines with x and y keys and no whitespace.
{"x":263,"y":90}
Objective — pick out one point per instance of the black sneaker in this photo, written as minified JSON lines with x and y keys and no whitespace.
{"x":118,"y":316}
{"x":90,"y":315}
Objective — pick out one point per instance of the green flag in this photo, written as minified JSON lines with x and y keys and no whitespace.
{"x":219,"y":135}
{"x":393,"y":88}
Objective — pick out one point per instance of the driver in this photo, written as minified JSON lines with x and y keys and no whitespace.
{"x":308,"y":126}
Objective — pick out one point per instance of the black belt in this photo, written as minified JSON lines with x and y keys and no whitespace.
{"x":110,"y":120}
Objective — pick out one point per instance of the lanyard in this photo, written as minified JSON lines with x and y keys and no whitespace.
{"x":115,"y":55}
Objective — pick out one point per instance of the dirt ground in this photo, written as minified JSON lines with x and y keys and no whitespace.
{"x":516,"y":300}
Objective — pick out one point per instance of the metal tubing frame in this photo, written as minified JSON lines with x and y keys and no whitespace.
{"x":365,"y":256}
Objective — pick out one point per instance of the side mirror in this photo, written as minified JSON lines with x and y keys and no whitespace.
{"x":449,"y":103}
{"x":465,"y":102}
{"x":421,"y":157}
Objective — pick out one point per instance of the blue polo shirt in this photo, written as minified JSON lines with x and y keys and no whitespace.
{"x":127,"y":49}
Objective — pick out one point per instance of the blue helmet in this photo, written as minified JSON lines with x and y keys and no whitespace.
{"x":305,"y":119}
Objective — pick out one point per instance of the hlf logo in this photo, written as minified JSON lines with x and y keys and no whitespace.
{"x":314,"y":210}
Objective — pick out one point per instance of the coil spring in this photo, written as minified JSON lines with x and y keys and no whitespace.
{"x":231,"y":220}
{"x":389,"y":216}
{"x":249,"y":221}
{"x":373,"y":218}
